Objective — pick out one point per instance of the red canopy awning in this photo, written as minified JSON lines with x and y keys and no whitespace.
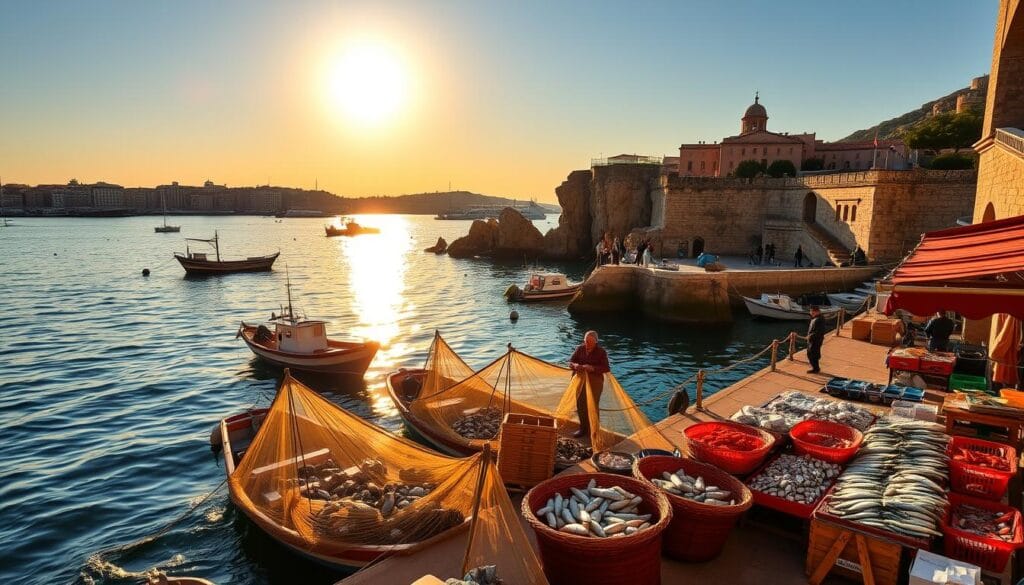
{"x":974,"y":270}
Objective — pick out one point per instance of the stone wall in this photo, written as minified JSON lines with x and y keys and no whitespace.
{"x":622,"y":198}
{"x":1000,"y":184}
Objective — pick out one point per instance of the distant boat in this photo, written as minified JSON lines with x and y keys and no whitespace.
{"x":531,"y":211}
{"x":302,"y":213}
{"x":166,"y":229}
{"x":302,"y":344}
{"x":852,"y":302}
{"x":350,"y":228}
{"x":198,"y":263}
{"x":543,"y":287}
{"x":782,"y":307}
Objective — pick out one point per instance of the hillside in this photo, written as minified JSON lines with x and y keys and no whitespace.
{"x":418,"y":203}
{"x":895,"y":127}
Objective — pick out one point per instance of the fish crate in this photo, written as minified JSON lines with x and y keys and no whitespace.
{"x":988,"y":552}
{"x":977,"y":480}
{"x":838,"y":550}
{"x":940,"y":364}
{"x":526,"y":455}
{"x":885,"y":332}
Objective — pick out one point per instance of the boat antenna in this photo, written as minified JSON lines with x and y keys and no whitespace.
{"x":288,"y":286}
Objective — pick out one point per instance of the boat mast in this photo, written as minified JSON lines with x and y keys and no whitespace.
{"x":288,"y":286}
{"x":216,"y":244}
{"x":163,"y":202}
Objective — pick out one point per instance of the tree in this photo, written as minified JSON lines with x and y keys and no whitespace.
{"x":813,"y":164}
{"x":782,"y":168}
{"x":946,"y":130}
{"x":952,"y":161}
{"x":748,"y":169}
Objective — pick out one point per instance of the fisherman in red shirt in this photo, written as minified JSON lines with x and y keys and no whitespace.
{"x":591,"y":360}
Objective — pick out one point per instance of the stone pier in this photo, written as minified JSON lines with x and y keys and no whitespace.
{"x":693,"y":295}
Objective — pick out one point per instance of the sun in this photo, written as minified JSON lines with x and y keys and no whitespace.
{"x":368,"y":83}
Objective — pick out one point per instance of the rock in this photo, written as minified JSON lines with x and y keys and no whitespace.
{"x":571,"y":239}
{"x":517,"y":236}
{"x":622,"y":198}
{"x":439,"y":248}
{"x":482,"y":237}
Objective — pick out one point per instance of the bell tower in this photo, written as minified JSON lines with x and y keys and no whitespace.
{"x":755,"y":119}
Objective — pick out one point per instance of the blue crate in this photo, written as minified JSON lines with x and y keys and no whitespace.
{"x":913,"y":394}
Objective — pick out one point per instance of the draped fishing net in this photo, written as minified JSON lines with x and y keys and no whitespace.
{"x":467,"y":415}
{"x":444,"y":367}
{"x":329,"y":483}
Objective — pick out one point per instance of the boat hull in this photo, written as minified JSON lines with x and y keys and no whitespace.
{"x":331,"y":232}
{"x":167,"y":229}
{"x":258,"y":264}
{"x":759,"y":309}
{"x":848,"y":301}
{"x":538,"y":296}
{"x":353,"y":358}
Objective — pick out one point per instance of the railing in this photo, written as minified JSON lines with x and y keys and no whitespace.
{"x":1012,"y":138}
{"x":626,"y":160}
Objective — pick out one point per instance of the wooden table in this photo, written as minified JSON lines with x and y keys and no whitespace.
{"x":957,"y":417}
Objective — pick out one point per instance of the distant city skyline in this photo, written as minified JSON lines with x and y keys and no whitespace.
{"x":369,"y":98}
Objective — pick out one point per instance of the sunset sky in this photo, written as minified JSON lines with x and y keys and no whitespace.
{"x":503,"y":98}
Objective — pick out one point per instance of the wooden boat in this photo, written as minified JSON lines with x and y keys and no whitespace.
{"x":166,"y":229}
{"x":350,"y":228}
{"x":779,"y":306}
{"x":198,"y":263}
{"x":543,"y":287}
{"x":852,"y":302}
{"x":302,"y":344}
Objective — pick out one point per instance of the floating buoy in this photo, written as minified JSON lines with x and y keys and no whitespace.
{"x":679,"y":403}
{"x":513,"y":316}
{"x":145,"y":272}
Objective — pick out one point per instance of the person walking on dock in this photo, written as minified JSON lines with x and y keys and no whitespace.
{"x":815,"y":337}
{"x":589,"y":360}
{"x":798,"y":258}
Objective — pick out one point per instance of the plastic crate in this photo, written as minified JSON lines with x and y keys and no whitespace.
{"x":892,"y":393}
{"x":938,"y":364}
{"x":978,"y":480}
{"x":907,"y":358}
{"x":968,"y":382}
{"x":990,"y":554}
{"x":971,"y":360}
{"x":913,"y":394}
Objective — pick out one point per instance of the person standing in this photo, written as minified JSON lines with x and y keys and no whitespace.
{"x":770,"y":249}
{"x":938,"y":329}
{"x":815,"y":337}
{"x":758,"y":255}
{"x":588,"y":360}
{"x":640,"y":252}
{"x":648,"y":257}
{"x":616,"y":247}
{"x":798,"y":257}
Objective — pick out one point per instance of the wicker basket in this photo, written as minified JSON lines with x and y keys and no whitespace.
{"x":526,"y":456}
{"x":698,"y":531}
{"x":569,"y":559}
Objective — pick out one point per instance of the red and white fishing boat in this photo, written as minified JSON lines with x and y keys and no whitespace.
{"x":302,"y":344}
{"x":543,"y":287}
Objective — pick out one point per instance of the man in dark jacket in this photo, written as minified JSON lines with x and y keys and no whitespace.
{"x":798,"y":258}
{"x":815,"y":337}
{"x":938,"y":329}
{"x":589,"y":360}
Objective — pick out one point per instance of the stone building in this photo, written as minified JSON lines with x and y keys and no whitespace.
{"x":756,"y":142}
{"x":107,"y":195}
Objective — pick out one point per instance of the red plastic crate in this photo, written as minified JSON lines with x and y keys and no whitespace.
{"x":907,"y":358}
{"x":796,"y":509}
{"x":990,"y":554}
{"x":802,"y":446}
{"x":978,"y":480}
{"x":941,"y":365}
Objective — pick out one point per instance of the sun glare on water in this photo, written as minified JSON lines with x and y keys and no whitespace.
{"x":368,"y":83}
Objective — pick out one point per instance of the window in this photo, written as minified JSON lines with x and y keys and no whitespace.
{"x":846,"y":212}
{"x":702,"y":165}
{"x":839,"y":212}
{"x":743,"y":152}
{"x":714,"y":166}
{"x":853,"y":214}
{"x":689,"y":165}
{"x":778,"y":151}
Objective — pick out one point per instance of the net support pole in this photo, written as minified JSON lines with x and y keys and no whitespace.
{"x":792,"y":344}
{"x":775,"y":353}
{"x":700,"y":389}
{"x":485,"y":458}
{"x":839,"y":321}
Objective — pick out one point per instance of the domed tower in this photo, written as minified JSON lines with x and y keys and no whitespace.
{"x":755,"y":118}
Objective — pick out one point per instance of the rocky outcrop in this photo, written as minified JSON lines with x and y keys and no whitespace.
{"x":510,"y":236}
{"x":622,"y":198}
{"x":439,"y":248}
{"x":479,"y":242}
{"x":571,"y":239}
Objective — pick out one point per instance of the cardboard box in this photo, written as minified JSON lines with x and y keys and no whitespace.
{"x":930,"y":568}
{"x":885,"y":332}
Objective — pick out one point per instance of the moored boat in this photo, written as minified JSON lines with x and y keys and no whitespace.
{"x":350,"y":228}
{"x":303,"y":344}
{"x":543,"y":287}
{"x":197,"y":262}
{"x":852,"y":302}
{"x":166,"y":229}
{"x":779,"y":306}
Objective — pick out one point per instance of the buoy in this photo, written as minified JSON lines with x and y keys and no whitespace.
{"x":513,"y":316}
{"x":679,"y":403}
{"x":145,"y":272}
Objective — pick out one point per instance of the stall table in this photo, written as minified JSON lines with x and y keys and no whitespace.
{"x":958,"y":421}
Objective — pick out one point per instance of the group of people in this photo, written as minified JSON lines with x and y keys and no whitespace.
{"x":611,"y":250}
{"x":765,"y":255}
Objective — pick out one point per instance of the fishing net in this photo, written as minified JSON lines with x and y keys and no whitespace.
{"x":467,"y":415}
{"x":333,"y":485}
{"x":444,"y":367}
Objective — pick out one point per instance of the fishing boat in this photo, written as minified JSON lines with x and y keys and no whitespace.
{"x":543,"y":287}
{"x":302,"y":344}
{"x":198,"y":263}
{"x":350,"y":228}
{"x":779,"y":306}
{"x":852,"y":302}
{"x":166,"y":229}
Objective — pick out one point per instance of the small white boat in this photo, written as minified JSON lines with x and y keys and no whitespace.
{"x":852,"y":302}
{"x":865,"y":290}
{"x":783,"y":307}
{"x":302,"y":344}
{"x":543,"y":287}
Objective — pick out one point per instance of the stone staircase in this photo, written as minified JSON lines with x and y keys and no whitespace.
{"x":838,"y":253}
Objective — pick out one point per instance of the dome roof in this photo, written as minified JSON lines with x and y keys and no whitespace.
{"x":756,"y":109}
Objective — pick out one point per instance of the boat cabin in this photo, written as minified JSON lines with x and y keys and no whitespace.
{"x":300,"y":336}
{"x":547,"y":282}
